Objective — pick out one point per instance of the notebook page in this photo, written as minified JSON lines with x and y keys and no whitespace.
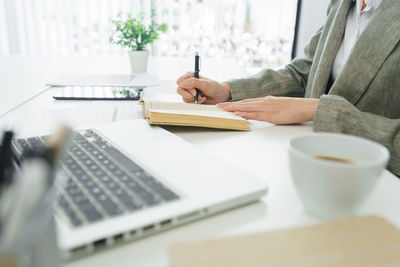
{"x":206,"y":113}
{"x":176,"y":106}
{"x":181,"y":106}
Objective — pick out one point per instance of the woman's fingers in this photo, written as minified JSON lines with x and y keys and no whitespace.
{"x":191,"y":84}
{"x":243,"y":102}
{"x":188,"y":75}
{"x":184,"y":93}
{"x":201,"y":99}
{"x":188,"y":99}
{"x":250,"y":115}
{"x":250,"y":100}
{"x":266,"y":99}
{"x":233,"y":107}
{"x":185,"y":76}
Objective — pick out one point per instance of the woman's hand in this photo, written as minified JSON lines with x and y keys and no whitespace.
{"x":277,"y":110}
{"x":210,"y":92}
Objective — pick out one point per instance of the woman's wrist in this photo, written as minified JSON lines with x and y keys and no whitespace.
{"x":312,"y":108}
{"x":226,"y":91}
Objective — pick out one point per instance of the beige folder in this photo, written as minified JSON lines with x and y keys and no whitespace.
{"x":358,"y":241}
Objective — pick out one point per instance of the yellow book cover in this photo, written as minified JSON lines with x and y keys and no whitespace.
{"x":166,"y":112}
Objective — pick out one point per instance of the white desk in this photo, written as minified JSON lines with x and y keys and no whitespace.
{"x":262,"y":152}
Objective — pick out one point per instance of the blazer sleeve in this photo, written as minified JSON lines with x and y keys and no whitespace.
{"x":336,"y":114}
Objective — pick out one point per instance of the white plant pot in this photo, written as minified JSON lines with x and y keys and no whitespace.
{"x":139,"y":60}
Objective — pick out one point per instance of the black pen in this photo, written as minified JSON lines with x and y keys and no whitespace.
{"x":6,"y":158}
{"x":196,"y":73}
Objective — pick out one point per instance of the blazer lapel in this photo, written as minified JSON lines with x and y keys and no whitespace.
{"x":375,"y":44}
{"x":330,"y":49}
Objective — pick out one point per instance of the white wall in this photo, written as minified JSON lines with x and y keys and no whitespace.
{"x":312,"y":17}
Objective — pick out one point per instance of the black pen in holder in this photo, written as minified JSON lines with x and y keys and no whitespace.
{"x":196,"y":74}
{"x":6,"y":159}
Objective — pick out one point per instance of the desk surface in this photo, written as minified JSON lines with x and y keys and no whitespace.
{"x":262,"y":152}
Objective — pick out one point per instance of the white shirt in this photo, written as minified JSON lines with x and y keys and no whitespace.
{"x":357,"y":20}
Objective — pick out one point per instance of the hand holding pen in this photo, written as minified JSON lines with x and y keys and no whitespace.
{"x":196,"y":89}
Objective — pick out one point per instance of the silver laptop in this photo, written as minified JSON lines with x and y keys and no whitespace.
{"x":128,"y":180}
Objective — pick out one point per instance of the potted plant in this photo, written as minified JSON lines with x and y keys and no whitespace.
{"x":134,"y":34}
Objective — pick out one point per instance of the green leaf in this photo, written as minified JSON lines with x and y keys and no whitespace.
{"x":132,"y":34}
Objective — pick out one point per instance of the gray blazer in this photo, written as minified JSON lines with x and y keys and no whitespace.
{"x":365,"y":98}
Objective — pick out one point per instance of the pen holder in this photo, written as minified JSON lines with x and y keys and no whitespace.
{"x":36,"y":245}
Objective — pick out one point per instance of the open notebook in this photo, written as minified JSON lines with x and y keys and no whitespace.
{"x":159,"y":112}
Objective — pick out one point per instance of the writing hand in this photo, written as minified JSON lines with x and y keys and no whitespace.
{"x":210,"y":91}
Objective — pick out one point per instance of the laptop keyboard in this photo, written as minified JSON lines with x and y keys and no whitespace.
{"x":102,"y":181}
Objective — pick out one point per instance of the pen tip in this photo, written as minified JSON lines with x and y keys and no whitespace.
{"x":197,"y":53}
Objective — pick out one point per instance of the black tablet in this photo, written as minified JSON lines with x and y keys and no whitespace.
{"x":96,"y":93}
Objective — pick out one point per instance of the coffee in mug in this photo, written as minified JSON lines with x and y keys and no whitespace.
{"x":334,"y":173}
{"x":329,"y":158}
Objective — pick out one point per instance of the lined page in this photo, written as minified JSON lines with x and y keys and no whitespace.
{"x":181,"y":106}
{"x":207,"y":113}
{"x":172,"y":104}
{"x":165,"y":106}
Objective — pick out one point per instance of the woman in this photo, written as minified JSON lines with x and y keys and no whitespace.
{"x":348,"y":81}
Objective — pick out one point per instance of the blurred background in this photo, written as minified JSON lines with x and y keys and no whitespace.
{"x":255,"y":33}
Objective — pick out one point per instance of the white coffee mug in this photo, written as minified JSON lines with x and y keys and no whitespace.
{"x":334,"y":173}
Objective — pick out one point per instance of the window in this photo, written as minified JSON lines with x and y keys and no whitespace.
{"x":256,"y":33}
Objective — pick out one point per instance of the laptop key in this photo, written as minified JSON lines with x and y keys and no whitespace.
{"x":93,"y":215}
{"x":144,"y":195}
{"x":63,"y":203}
{"x":96,"y":191}
{"x":74,"y":219}
{"x":146,"y":178}
{"x":148,"y":198}
{"x":165,"y":193}
{"x":72,"y":191}
{"x":119,"y":157}
{"x":129,"y":202}
{"x":90,"y":212}
{"x":36,"y":144}
{"x":141,"y":192}
{"x":24,"y":146}
{"x":83,"y":178}
{"x":79,"y":198}
{"x":89,"y":184}
{"x":108,"y":205}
